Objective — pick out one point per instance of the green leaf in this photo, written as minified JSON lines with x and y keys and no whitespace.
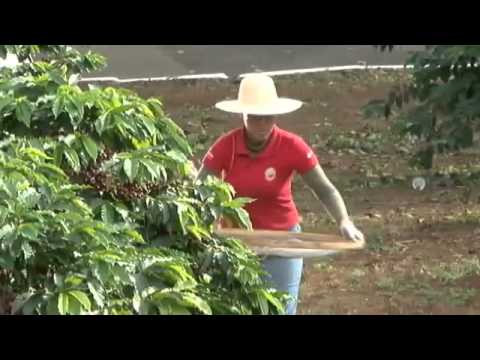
{"x":122,"y":211}
{"x":30,"y":197}
{"x":24,"y":111}
{"x":82,"y":299}
{"x":165,"y":214}
{"x":6,"y":230}
{"x":181,"y":217}
{"x":150,"y":126}
{"x":244,"y":218}
{"x":27,"y":251}
{"x":74,"y":109}
{"x":122,"y":275}
{"x":176,"y":155}
{"x":163,"y":173}
{"x":72,"y":158}
{"x":123,"y":126}
{"x":3,"y":214}
{"x":238,"y":202}
{"x":36,"y":153}
{"x":9,"y":188}
{"x":89,"y":230}
{"x":81,"y":206}
{"x":73,"y":79}
{"x":58,"y":154}
{"x":108,"y":213}
{"x":4,"y":101}
{"x":70,"y":139}
{"x":63,"y":303}
{"x":102,"y":272}
{"x":152,"y":168}
{"x":198,"y":303}
{"x":274,"y":301}
{"x":135,"y":236}
{"x":16,"y":246}
{"x":58,"y":104}
{"x":36,"y":144}
{"x":97,"y":295}
{"x":100,"y":124}
{"x":58,"y":280}
{"x":77,"y":101}
{"x":170,"y":304}
{"x":28,"y":231}
{"x":73,"y":280}
{"x":137,"y":304}
{"x":109,"y":256}
{"x":7,"y":261}
{"x":57,"y":77}
{"x":263,"y":303}
{"x":90,"y":146}
{"x":175,"y":309}
{"x":198,"y":232}
{"x":52,"y":170}
{"x":130,"y":167}
{"x":74,"y":306}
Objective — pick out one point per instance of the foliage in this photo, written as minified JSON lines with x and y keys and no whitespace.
{"x":443,"y":97}
{"x":99,"y":212}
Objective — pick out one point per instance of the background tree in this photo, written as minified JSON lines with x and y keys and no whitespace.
{"x":440,"y":104}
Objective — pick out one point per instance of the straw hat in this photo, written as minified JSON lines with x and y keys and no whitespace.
{"x":257,"y":95}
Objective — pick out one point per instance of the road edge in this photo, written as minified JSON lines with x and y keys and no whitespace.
{"x":223,"y":76}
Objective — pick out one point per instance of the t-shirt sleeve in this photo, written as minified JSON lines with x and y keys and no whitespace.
{"x":217,"y":157}
{"x":304,"y":158}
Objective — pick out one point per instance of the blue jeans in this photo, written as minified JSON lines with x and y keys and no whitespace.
{"x":285,"y":274}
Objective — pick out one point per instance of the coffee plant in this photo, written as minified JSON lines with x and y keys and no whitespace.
{"x":99,"y":209}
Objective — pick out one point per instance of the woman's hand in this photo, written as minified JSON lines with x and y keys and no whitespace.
{"x":350,"y":232}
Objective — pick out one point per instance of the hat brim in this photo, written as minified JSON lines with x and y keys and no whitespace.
{"x":280,"y":106}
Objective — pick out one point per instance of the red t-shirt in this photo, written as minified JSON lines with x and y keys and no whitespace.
{"x":266,"y":177}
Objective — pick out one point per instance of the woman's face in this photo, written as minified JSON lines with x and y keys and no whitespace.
{"x":259,"y":127}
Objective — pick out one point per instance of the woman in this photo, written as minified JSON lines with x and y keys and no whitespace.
{"x":259,"y":161}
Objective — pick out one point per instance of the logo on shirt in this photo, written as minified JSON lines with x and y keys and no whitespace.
{"x":270,"y":174}
{"x":309,"y":155}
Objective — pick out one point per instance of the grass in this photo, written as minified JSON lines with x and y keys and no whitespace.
{"x":325,"y":266}
{"x":386,"y":283}
{"x":452,"y":296}
{"x":376,"y":243}
{"x":448,"y":273}
{"x":425,"y":292}
{"x":357,"y":143}
{"x":460,"y":296}
{"x":356,"y":276}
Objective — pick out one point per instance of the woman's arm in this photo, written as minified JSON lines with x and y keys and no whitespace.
{"x":326,"y":192}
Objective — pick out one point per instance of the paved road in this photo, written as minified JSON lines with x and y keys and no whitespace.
{"x":127,"y":61}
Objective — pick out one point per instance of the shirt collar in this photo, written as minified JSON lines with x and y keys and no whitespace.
{"x":241,"y":146}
